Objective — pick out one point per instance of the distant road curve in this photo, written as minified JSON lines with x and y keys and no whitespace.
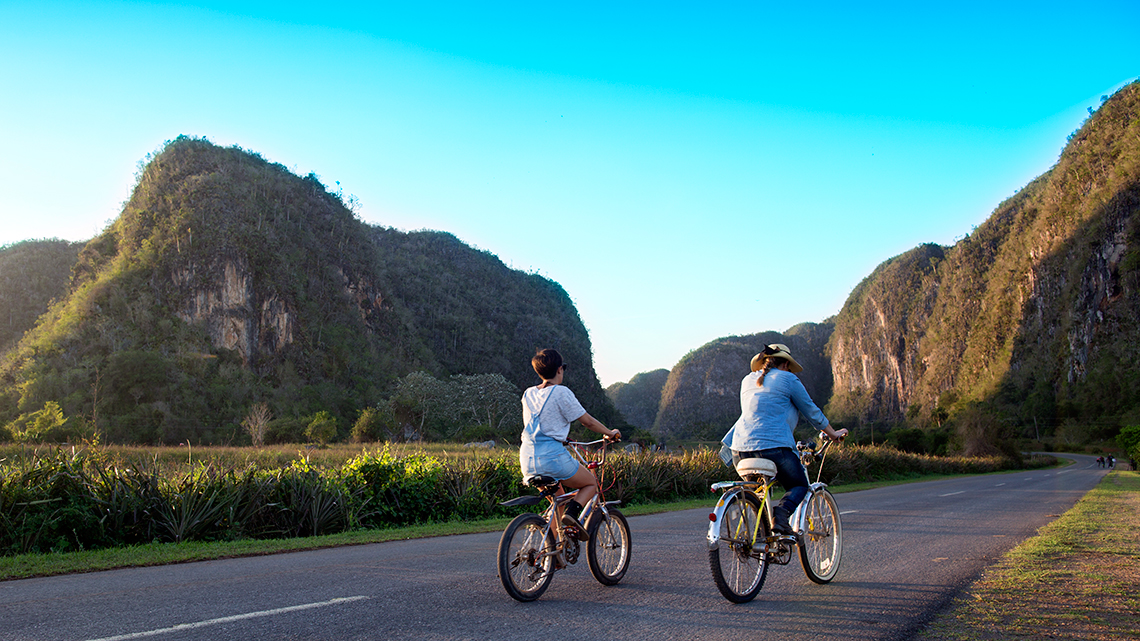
{"x":908,"y":549}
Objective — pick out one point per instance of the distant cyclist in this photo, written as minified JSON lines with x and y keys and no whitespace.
{"x":548,"y":410}
{"x":772,"y":398}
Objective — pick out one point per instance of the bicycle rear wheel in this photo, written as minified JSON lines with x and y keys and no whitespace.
{"x":609,"y":548}
{"x":526,"y":562}
{"x":739,"y":563}
{"x":821,"y":542}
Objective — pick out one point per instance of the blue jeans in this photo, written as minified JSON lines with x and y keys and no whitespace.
{"x":789,"y":472}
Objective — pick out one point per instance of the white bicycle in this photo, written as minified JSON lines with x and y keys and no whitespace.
{"x":740,"y":538}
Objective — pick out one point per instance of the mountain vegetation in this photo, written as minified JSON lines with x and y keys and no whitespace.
{"x":33,"y":273}
{"x":701,"y":397}
{"x":639,"y":399}
{"x":233,"y":300}
{"x":1031,"y":320}
{"x":228,"y":282}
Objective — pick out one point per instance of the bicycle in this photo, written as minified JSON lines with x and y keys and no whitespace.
{"x":531,"y":550}
{"x":740,"y":538}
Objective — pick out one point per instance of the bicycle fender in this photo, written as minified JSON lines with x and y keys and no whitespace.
{"x":715,"y":518}
{"x":799,"y":516}
{"x":522,"y":500}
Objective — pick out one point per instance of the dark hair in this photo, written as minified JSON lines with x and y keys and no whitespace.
{"x":546,"y":363}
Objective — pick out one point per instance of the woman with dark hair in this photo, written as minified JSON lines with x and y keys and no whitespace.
{"x":548,"y":410}
{"x":772,"y":398}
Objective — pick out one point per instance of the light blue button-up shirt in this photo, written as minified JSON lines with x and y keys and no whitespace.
{"x":769,"y":413}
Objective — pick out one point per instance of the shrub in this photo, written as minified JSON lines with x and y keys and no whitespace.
{"x":1129,"y":441}
{"x":287,"y":430}
{"x":321,"y":429}
{"x":375,"y":424}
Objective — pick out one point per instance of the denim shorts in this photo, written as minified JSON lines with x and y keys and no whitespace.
{"x":548,"y":457}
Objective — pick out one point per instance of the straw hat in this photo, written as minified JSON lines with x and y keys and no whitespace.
{"x":776,"y":350}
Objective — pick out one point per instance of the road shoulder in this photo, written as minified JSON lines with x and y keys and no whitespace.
{"x":1075,"y":580}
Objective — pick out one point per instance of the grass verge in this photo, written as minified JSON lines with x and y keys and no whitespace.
{"x":1077,"y":579}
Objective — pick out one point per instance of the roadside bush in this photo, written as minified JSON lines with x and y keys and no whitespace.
{"x":1129,"y":441}
{"x":59,"y":500}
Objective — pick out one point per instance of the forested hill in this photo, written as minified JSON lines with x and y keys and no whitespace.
{"x":1034,"y":317}
{"x":701,"y":398}
{"x":228,"y":281}
{"x":639,"y":399}
{"x":32,"y":274}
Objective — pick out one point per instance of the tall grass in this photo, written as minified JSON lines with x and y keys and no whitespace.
{"x":64,"y":499}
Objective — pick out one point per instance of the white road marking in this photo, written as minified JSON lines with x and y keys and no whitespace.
{"x":230,"y":619}
{"x":999,"y":484}
{"x":953,"y":493}
{"x":1064,"y":471}
{"x":848,"y":512}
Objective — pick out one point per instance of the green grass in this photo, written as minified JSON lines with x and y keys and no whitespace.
{"x":1077,"y":579}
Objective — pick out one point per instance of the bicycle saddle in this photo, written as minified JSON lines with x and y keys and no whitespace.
{"x":750,"y":469}
{"x":539,"y":481}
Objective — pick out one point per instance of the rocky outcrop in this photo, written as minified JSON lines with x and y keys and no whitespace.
{"x":1035,"y":313}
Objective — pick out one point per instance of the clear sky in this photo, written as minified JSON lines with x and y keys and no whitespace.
{"x":685,"y":171}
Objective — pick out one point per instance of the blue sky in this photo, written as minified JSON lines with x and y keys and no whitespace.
{"x":685,"y":171}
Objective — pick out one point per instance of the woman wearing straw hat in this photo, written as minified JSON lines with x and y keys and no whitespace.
{"x":772,"y":398}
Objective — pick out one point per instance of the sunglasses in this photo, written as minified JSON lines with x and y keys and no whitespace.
{"x":769,"y":350}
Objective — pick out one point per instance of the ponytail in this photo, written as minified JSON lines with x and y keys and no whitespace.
{"x":768,"y":364}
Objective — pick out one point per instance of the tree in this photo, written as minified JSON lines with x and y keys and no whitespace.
{"x":322,"y":429}
{"x":1129,"y":439}
{"x":257,"y":423}
{"x":485,"y":399}
{"x":421,"y":400}
{"x":375,"y":424}
{"x":45,"y":425}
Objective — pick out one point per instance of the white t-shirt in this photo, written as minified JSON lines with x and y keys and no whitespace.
{"x":561,"y":409}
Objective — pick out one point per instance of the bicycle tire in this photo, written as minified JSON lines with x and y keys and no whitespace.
{"x":610,"y":545}
{"x":737,"y":569}
{"x":821,"y":543}
{"x":524,"y":568}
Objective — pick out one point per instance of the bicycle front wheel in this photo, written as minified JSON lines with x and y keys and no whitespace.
{"x":609,"y":547}
{"x":821,"y":542}
{"x":739,"y":563}
{"x":526,"y":557}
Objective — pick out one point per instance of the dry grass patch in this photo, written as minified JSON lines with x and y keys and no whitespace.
{"x":1078,"y":579}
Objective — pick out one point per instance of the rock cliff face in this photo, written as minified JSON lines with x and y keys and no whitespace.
{"x":1036,"y":313}
{"x":701,"y":398}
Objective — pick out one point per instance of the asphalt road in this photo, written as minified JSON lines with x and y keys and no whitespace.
{"x":908,"y":549}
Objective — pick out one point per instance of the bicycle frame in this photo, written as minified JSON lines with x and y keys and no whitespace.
{"x":761,"y":489}
{"x":556,"y":499}
{"x":533,"y":547}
